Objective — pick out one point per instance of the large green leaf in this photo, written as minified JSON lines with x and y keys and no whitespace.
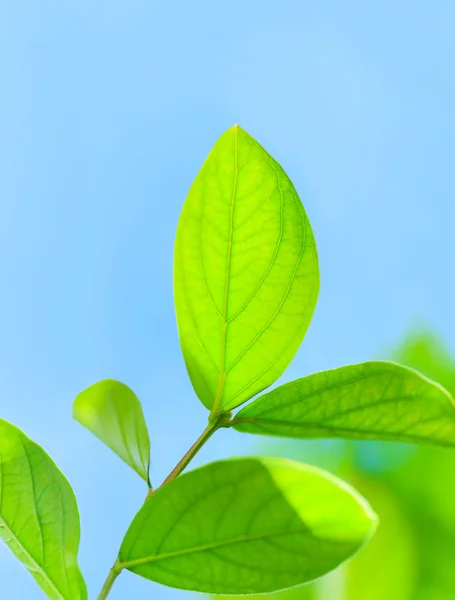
{"x":39,"y":519}
{"x":372,"y":400}
{"x":246,"y":526}
{"x":246,"y":273}
{"x":112,"y":412}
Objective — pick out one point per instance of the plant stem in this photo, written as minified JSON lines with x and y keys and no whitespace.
{"x":113,"y":574}
{"x":188,"y":457}
{"x":215,"y":424}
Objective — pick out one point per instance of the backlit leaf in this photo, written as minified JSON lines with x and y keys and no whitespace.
{"x":246,"y":526}
{"x":112,"y":412}
{"x":246,"y":273}
{"x":372,"y":400}
{"x":39,"y":519}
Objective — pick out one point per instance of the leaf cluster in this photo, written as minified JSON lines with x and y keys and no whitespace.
{"x":246,"y":281}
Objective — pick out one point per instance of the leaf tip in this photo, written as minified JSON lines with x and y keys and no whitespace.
{"x":237,"y":128}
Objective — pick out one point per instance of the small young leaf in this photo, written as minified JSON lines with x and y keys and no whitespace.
{"x":112,"y":412}
{"x":39,"y":519}
{"x":372,"y":400}
{"x":246,"y":526}
{"x":246,"y":275}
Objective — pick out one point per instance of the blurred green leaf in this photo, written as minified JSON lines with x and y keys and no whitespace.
{"x":246,"y":274}
{"x":426,"y":484}
{"x":425,"y":487}
{"x":372,"y":400}
{"x":424,"y":351}
{"x":112,"y":412}
{"x":246,"y":526}
{"x":39,"y":519}
{"x":387,"y":568}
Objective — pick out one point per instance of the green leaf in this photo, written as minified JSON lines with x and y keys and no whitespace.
{"x":394,"y":547}
{"x":246,"y":526}
{"x":372,"y":400}
{"x":39,"y":519}
{"x":112,"y":412}
{"x":246,"y":275}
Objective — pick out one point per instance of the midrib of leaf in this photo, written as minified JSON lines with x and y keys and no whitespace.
{"x":272,"y":262}
{"x":326,"y":419}
{"x":38,"y":568}
{"x":224,"y":323}
{"x":34,"y":496}
{"x":19,"y":544}
{"x":206,"y":283}
{"x":319,"y":392}
{"x":203,"y":548}
{"x":283,"y":300}
{"x":342,"y":430}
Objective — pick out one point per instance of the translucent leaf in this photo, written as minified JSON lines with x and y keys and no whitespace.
{"x":39,"y":519}
{"x":246,"y":275}
{"x":246,"y":526}
{"x":372,"y":400}
{"x":112,"y":412}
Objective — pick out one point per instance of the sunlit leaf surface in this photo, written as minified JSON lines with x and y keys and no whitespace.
{"x":246,"y":526}
{"x":372,"y":400}
{"x":246,"y":273}
{"x":112,"y":412}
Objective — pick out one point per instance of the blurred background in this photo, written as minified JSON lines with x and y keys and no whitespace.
{"x":107,"y":110}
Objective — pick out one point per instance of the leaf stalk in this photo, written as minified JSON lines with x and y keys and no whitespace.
{"x":110,"y":580}
{"x":213,"y":426}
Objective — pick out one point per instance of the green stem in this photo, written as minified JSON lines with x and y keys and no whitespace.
{"x":215,"y":424}
{"x":113,"y":574}
{"x":188,"y":457}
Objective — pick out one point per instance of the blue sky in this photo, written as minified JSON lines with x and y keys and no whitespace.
{"x":107,"y":110}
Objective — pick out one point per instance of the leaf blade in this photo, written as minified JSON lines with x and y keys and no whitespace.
{"x":32,"y":488}
{"x":113,"y":413}
{"x":246,"y":274}
{"x":372,"y":400}
{"x":243,"y":526}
